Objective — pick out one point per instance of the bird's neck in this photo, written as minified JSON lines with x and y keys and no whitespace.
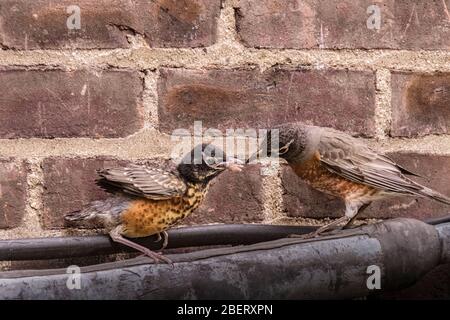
{"x":194,"y":195}
{"x":199,"y":186}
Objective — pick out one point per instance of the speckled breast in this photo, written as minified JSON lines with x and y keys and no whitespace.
{"x":146,"y":217}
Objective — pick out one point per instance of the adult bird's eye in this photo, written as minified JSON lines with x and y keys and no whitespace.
{"x":285,"y":149}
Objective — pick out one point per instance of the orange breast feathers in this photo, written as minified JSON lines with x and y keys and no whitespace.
{"x":147,"y":217}
{"x":314,"y":173}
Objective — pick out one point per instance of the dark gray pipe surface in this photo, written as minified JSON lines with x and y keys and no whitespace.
{"x":333,"y":267}
{"x":197,"y":236}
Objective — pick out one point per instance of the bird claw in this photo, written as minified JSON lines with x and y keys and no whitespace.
{"x":159,"y":238}
{"x":166,"y":239}
{"x":307,"y":236}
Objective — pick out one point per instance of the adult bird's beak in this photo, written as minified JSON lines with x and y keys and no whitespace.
{"x":253,"y":157}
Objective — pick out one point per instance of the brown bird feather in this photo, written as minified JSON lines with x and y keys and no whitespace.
{"x":338,"y":164}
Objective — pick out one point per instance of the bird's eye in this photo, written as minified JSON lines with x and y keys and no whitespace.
{"x":285,"y":149}
{"x":211,"y":161}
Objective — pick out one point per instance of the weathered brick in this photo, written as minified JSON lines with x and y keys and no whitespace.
{"x":70,"y":185}
{"x":300,"y":200}
{"x":42,"y":24}
{"x":248,"y":98}
{"x":13,"y":182}
{"x":56,"y":103}
{"x":340,"y":24}
{"x":420,"y":104}
{"x":234,"y":197}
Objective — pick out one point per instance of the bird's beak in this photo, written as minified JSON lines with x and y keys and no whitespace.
{"x":270,"y":153}
{"x":233,"y":164}
{"x":254,"y":157}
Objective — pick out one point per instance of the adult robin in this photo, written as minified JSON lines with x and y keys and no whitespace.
{"x":152,"y":199}
{"x":335,"y":163}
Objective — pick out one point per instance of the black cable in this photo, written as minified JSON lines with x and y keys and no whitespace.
{"x":198,"y":236}
{"x":436,"y":221}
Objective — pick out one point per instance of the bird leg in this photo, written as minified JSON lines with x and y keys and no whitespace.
{"x":321,"y":230}
{"x":353,"y":219}
{"x":116,"y":236}
{"x":350,"y":217}
{"x":166,"y":239}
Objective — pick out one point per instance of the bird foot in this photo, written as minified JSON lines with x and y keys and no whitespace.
{"x":166,"y":239}
{"x":325,"y":230}
{"x":117,"y":237}
{"x":307,"y":236}
{"x":354,"y":226}
{"x":157,"y":257}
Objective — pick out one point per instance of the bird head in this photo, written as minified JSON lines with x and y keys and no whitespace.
{"x":206,"y":161}
{"x":292,"y":139}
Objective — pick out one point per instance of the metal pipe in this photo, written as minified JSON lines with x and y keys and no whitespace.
{"x":332,"y":267}
{"x":234,"y":234}
{"x":436,"y":221}
{"x":213,"y":235}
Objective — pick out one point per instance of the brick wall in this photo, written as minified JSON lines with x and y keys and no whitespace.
{"x":73,"y":100}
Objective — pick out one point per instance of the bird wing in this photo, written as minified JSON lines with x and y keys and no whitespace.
{"x":143,"y":181}
{"x":351,"y":159}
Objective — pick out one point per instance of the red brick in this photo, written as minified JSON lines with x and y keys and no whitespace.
{"x":234,"y":197}
{"x":302,"y":201}
{"x":339,"y":24}
{"x":420,"y":104}
{"x":42,"y":24}
{"x":56,"y":103}
{"x":70,"y":185}
{"x":248,"y":98}
{"x":13,"y":182}
{"x":435,"y":170}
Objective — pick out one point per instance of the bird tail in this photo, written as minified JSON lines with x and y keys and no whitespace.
{"x":74,"y":216}
{"x":86,"y":218}
{"x":98,"y":214}
{"x":429,"y":193}
{"x":79,"y":215}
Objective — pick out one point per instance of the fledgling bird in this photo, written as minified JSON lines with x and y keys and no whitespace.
{"x":151,"y":199}
{"x":335,"y":163}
